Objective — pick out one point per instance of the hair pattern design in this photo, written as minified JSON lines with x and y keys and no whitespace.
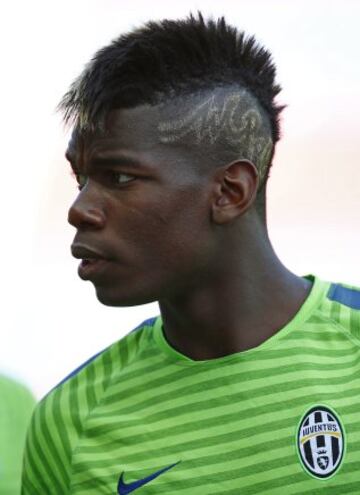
{"x":236,"y":120}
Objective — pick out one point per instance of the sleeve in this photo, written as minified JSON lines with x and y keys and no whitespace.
{"x":46,"y":458}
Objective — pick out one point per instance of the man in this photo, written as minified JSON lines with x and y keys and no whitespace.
{"x":248,"y":381}
{"x":16,"y":407}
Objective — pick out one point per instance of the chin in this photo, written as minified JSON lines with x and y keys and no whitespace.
{"x":111,"y":298}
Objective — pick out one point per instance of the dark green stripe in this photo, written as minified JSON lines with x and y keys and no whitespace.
{"x":123,"y":353}
{"x":90,"y":378}
{"x":215,"y":439}
{"x":167,"y":397}
{"x":41,"y":434}
{"x":205,"y":423}
{"x":266,"y":355}
{"x":211,"y":441}
{"x":57,"y":466}
{"x":127,"y":389}
{"x":355,"y":324}
{"x":58,"y":422}
{"x":335,"y":310}
{"x":74,"y":404}
{"x":319,"y":335}
{"x":142,"y":368}
{"x":207,"y":460}
{"x":107,"y":369}
{"x":31,"y":465}
{"x":291,"y":480}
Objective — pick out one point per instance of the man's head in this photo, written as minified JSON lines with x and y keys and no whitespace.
{"x":192,"y":102}
{"x":220,"y":83}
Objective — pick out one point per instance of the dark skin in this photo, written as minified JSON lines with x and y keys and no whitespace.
{"x":174,"y":230}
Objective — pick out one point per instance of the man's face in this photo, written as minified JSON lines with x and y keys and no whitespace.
{"x":142,"y":215}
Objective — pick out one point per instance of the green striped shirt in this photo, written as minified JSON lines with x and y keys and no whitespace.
{"x":281,"y":418}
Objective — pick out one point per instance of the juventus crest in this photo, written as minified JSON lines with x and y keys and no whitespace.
{"x":321,"y":442}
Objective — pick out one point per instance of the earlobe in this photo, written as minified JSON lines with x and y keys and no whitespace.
{"x":235,"y":191}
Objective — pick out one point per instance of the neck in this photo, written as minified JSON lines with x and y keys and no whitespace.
{"x":242,"y":308}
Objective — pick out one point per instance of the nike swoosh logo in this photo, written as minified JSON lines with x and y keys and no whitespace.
{"x":125,"y":488}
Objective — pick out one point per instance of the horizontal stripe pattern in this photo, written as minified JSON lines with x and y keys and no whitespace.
{"x":230,"y":423}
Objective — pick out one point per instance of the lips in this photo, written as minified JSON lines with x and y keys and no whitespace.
{"x":92,"y":269}
{"x":93,"y":262}
{"x":83,"y":252}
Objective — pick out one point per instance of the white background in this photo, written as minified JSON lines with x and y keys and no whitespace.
{"x":50,"y":320}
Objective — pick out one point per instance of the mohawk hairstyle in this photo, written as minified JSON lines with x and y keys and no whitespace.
{"x":166,"y":59}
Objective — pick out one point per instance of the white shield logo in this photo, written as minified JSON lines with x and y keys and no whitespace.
{"x":321,"y":441}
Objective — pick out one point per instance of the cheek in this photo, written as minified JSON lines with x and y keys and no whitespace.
{"x":166,"y":229}
{"x":162,"y":251}
{"x":183,"y":234}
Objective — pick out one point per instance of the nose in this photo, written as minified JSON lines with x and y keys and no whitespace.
{"x":83,"y":214}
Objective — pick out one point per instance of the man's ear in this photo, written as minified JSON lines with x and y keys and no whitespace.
{"x":235,"y":187}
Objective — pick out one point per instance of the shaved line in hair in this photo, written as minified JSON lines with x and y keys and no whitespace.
{"x":230,"y":118}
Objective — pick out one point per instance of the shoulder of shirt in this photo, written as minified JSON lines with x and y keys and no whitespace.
{"x":347,"y":295}
{"x":341,"y":308}
{"x":69,"y":405}
{"x":127,"y":340}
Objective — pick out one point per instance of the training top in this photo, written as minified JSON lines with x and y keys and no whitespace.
{"x":16,"y":407}
{"x":280,"y":418}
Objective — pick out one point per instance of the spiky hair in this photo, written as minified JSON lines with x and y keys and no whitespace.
{"x":167,"y":59}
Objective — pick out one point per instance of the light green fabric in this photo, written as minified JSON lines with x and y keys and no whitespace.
{"x":233,"y":425}
{"x":16,"y":407}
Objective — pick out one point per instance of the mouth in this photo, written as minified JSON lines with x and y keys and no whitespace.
{"x":93,"y":262}
{"x":90,"y":268}
{"x":87,"y":262}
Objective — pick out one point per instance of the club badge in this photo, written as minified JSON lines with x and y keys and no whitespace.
{"x":321,"y":442}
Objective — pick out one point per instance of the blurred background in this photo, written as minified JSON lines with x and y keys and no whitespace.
{"x":50,"y":320}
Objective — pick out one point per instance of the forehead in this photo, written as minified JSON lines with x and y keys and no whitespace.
{"x":128,"y":129}
{"x":131,"y":138}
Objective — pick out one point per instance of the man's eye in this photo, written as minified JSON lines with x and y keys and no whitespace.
{"x":81,"y":180}
{"x":121,"y":178}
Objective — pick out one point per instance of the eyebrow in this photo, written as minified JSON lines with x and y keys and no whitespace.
{"x":110,"y":159}
{"x":114,"y":159}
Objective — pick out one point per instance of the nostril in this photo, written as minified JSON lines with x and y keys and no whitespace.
{"x":80,"y":216}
